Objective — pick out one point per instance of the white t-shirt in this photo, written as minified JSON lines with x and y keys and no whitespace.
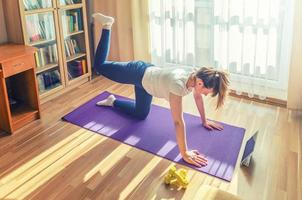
{"x":160,"y":81}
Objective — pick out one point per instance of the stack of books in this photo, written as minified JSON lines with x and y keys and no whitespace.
{"x":46,"y":55}
{"x":71,"y":47}
{"x":72,"y":19}
{"x":36,"y":4}
{"x":49,"y":80}
{"x":76,"y":68}
{"x":40,"y":27}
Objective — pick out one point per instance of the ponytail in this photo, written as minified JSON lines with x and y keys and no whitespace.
{"x":218,"y":80}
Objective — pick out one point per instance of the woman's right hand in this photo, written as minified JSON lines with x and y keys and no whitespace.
{"x":195,"y":158}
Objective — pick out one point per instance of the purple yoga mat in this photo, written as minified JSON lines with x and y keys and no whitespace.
{"x":156,"y":134}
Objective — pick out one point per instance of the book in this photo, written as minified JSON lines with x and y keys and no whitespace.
{"x":84,"y":66}
{"x":37,"y":60}
{"x":42,"y":57}
{"x":79,"y":68}
{"x":80,"y":22}
{"x":76,"y":21}
{"x":70,"y":24}
{"x":41,"y":83}
{"x":64,"y":23}
{"x":55,"y":52}
{"x":31,"y":29}
{"x":71,"y":47}
{"x":42,"y":30}
{"x":37,"y":25}
{"x":76,"y":47}
{"x":50,"y":79}
{"x":26,"y":4}
{"x":47,"y":28}
{"x":50,"y":54}
{"x":76,"y":68}
{"x":67,"y":49}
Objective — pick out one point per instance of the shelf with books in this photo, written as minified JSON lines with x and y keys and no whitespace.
{"x":36,"y":4}
{"x":72,"y":21}
{"x":74,"y":47}
{"x":40,"y":28}
{"x":46,"y":55}
{"x":49,"y":80}
{"x":76,"y":68}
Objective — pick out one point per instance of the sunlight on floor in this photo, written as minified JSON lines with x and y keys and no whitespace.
{"x":48,"y":164}
{"x":139,"y":177}
{"x":234,"y":186}
{"x":107,"y":163}
{"x":28,"y":165}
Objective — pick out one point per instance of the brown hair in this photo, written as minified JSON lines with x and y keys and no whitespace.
{"x":218,"y":80}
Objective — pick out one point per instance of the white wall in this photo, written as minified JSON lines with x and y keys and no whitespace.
{"x":295,"y":72}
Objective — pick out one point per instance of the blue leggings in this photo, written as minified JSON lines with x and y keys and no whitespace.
{"x":127,"y":73}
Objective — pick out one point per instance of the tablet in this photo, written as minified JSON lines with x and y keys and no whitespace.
{"x":249,"y":149}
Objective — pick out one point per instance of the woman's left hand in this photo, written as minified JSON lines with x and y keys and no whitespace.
{"x":212,"y":125}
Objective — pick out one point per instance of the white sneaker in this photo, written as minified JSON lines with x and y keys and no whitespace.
{"x":103,"y":19}
{"x":107,"y":102}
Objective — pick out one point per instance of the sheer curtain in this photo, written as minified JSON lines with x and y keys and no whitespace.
{"x":249,"y":38}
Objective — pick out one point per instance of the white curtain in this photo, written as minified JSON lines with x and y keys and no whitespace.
{"x":249,"y":38}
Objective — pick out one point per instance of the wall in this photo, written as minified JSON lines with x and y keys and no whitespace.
{"x":3,"y":35}
{"x":295,"y":73}
{"x":121,"y":36}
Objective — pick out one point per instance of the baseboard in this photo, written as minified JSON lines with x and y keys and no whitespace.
{"x":267,"y":100}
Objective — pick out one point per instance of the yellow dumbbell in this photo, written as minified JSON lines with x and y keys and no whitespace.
{"x":177,"y":177}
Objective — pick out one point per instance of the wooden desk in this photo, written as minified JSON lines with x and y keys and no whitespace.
{"x":18,"y":81}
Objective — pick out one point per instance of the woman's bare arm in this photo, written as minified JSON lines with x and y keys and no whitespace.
{"x":192,"y":157}
{"x":200,"y":106}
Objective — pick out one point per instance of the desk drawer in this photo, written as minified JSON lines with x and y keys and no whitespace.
{"x":17,"y":65}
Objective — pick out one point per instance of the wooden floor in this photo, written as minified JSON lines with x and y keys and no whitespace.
{"x":52,"y":159}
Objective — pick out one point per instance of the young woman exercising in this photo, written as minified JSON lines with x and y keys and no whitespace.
{"x":171,"y":83}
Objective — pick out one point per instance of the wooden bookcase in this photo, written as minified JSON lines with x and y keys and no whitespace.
{"x":59,"y":31}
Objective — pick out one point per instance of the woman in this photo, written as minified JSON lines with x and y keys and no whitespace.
{"x":170,"y":83}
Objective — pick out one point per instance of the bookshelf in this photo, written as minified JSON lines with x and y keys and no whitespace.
{"x":58,"y":30}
